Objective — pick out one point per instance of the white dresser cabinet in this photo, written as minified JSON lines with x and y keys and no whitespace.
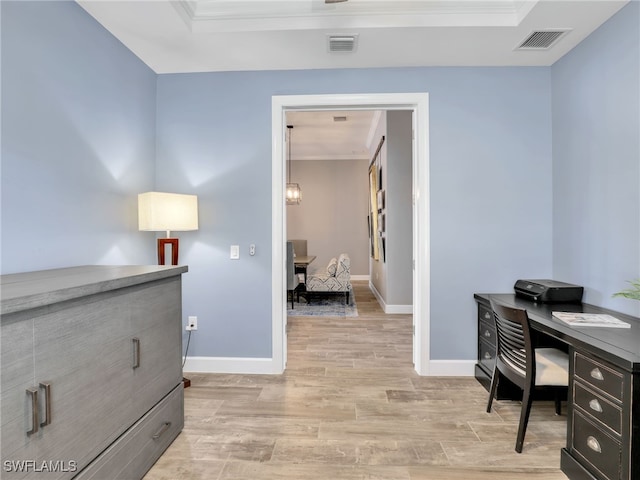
{"x":91,"y":362}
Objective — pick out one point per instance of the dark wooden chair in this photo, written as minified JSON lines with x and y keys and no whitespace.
{"x":293,"y":282}
{"x":524,"y":364}
{"x":300,"y":250}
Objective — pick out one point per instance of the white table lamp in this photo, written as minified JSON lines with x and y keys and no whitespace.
{"x":160,"y":211}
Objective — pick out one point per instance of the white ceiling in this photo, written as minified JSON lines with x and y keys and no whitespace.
{"x":317,"y":136}
{"x":239,"y":35}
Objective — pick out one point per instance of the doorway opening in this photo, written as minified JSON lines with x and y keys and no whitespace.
{"x":417,"y":103}
{"x":330,"y":153}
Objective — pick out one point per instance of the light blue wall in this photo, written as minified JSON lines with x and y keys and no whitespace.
{"x":596,"y":150}
{"x":80,"y":118}
{"x":490,"y":154}
{"x":78,"y":141}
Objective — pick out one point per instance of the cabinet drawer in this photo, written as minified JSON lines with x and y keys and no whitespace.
{"x":601,"y":452}
{"x":485,"y":314}
{"x":597,"y":407}
{"x":487,"y":332}
{"x":600,"y":376}
{"x":486,"y":355}
{"x":135,"y":452}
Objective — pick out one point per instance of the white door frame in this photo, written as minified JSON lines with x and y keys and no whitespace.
{"x":419,"y":104}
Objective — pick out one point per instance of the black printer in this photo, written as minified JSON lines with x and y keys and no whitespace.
{"x":548,"y":291}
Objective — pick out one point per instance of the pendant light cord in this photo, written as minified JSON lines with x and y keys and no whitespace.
{"x":289,"y":127}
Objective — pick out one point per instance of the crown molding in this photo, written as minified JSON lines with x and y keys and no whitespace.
{"x":251,"y":15}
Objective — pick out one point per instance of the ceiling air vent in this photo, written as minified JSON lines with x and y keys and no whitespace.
{"x":541,"y":39}
{"x":342,"y":43}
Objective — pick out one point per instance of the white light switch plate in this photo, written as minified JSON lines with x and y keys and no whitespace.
{"x":235,"y":252}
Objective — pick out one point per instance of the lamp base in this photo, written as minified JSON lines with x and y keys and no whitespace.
{"x":174,"y":250}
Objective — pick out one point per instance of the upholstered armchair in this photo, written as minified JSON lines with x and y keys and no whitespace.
{"x":337,"y":278}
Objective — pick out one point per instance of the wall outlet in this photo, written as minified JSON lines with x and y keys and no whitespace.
{"x":192,"y":323}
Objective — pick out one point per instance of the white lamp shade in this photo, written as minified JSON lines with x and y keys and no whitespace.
{"x":159,"y":211}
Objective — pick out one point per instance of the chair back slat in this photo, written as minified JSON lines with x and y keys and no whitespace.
{"x":514,"y":348}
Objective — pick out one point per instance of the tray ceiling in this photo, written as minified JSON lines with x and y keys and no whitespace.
{"x":232,"y":35}
{"x":242,"y":35}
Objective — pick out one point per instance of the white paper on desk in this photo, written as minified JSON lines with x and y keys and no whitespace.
{"x":577,"y":319}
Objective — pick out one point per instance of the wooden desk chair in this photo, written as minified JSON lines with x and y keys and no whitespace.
{"x":528,"y":367}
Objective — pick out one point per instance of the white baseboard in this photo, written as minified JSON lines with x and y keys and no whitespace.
{"x":390,"y":309}
{"x":265,"y":366}
{"x":395,"y":309}
{"x":451,"y":368}
{"x":359,"y":277}
{"x":230,"y":365}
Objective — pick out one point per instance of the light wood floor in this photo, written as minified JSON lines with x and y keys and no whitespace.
{"x":350,"y":406}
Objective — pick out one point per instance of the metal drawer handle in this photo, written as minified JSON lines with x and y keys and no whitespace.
{"x":487,"y":315}
{"x":47,"y":403}
{"x":487,"y":333}
{"x":165,"y":426}
{"x":136,"y":352}
{"x":33,"y":393}
{"x":487,"y":356}
{"x":595,"y":405}
{"x":597,"y":374}
{"x":593,"y":444}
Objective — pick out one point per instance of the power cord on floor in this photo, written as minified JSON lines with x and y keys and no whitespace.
{"x":187,"y":349}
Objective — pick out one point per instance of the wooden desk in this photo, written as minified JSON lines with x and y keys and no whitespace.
{"x":301,"y":263}
{"x":603,"y":419}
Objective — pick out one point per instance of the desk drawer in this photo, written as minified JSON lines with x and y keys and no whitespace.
{"x":487,"y":332}
{"x":602,"y":377}
{"x":485,"y":314}
{"x":487,"y":356}
{"x":598,"y":408}
{"x":135,"y":452}
{"x":600,"y":451}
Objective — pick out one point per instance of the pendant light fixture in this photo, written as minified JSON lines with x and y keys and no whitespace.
{"x":294,"y":194}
